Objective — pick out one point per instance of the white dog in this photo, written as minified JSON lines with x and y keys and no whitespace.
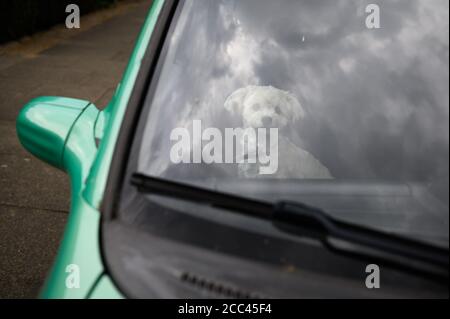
{"x":269,"y":107}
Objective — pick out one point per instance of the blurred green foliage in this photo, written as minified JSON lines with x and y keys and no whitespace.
{"x":19,"y":18}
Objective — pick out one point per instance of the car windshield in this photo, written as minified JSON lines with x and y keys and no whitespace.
{"x":341,"y":104}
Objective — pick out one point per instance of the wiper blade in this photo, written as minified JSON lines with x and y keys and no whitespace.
{"x":311,"y":222}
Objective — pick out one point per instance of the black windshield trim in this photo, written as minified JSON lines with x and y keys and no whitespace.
{"x":120,"y":159}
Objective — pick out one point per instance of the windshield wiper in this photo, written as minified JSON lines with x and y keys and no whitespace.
{"x":311,"y":222}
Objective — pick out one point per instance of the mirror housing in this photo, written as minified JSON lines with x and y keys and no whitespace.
{"x":44,"y":125}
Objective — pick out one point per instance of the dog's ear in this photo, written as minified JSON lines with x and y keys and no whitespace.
{"x":294,"y":106}
{"x":235,"y":102}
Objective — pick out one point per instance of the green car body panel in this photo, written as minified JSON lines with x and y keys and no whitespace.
{"x":64,"y":133}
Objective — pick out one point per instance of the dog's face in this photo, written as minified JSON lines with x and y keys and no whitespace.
{"x":264,"y":106}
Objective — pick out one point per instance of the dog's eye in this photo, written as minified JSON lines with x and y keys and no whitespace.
{"x":278,"y":110}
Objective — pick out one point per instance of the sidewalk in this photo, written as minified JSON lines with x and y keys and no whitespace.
{"x":34,"y":197}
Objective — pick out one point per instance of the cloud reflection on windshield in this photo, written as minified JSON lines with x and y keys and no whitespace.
{"x":376,"y":101}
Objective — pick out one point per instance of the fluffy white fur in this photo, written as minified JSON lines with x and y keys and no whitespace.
{"x":266,"y":106}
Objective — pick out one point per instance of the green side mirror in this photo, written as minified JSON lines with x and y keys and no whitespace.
{"x":44,"y":124}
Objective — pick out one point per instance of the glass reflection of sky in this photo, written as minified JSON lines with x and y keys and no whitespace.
{"x":376,"y":101}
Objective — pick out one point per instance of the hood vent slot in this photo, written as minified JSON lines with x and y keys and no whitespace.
{"x":217,"y":288}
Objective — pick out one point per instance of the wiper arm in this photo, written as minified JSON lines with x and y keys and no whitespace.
{"x":311,"y":222}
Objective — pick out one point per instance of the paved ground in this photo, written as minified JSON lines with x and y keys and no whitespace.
{"x":34,"y":197}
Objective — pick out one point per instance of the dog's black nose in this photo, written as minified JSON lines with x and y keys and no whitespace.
{"x":266,"y":120}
